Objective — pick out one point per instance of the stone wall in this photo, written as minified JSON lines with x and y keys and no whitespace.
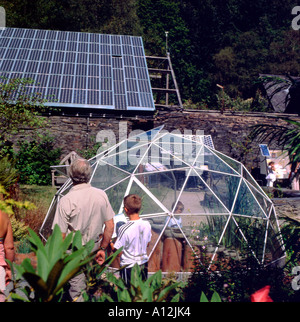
{"x":229,"y":130}
{"x":287,"y":207}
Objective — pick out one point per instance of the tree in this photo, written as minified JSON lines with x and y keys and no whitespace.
{"x":18,"y":109}
{"x":34,"y":169}
{"x":237,"y":67}
{"x":210,"y":41}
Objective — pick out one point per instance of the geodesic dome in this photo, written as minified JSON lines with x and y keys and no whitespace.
{"x":197,"y":200}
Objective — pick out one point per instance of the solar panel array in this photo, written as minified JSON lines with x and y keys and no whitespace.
{"x":79,"y":69}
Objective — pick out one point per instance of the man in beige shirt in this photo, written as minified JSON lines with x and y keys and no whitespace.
{"x":87,"y":209}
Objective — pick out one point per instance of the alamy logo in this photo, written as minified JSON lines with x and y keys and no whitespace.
{"x":296,"y":20}
{"x":172,"y":148}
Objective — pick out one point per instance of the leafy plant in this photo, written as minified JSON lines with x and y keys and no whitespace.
{"x":9,"y":206}
{"x":225,"y":102}
{"x":24,"y":246}
{"x":215,"y":298}
{"x":7,"y":203}
{"x":290,"y":232}
{"x":8,"y":174}
{"x":18,"y":108}
{"x":235,"y":282}
{"x":286,"y":137}
{"x":151,"y":290}
{"x":55,"y":266}
{"x":20,"y":230}
{"x":34,"y":159}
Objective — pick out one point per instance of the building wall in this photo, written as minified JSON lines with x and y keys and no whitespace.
{"x":229,"y":130}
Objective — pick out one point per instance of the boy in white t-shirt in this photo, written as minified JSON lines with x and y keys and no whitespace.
{"x":134,"y":236}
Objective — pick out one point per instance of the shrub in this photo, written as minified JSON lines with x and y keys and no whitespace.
{"x":8,"y":174}
{"x":34,"y":158}
{"x":55,"y":266}
{"x":236,"y":281}
{"x":20,"y":230}
{"x":9,"y":206}
{"x":154,"y":289}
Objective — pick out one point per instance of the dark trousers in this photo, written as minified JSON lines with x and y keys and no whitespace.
{"x":126,"y":273}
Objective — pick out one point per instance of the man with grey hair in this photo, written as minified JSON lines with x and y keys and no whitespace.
{"x":87,"y":209}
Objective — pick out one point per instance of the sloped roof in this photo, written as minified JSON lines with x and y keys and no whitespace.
{"x":78,"y":69}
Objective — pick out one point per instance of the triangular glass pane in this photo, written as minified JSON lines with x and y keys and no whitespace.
{"x":127,"y":160}
{"x":203,"y":234}
{"x":234,"y":165}
{"x":274,"y":252}
{"x":207,"y":160}
{"x":156,"y":159}
{"x":134,"y":142}
{"x":198,"y":198}
{"x":223,"y":185}
{"x":168,"y":249}
{"x":116,"y":194}
{"x":173,"y":242}
{"x":246,"y":204}
{"x":173,"y":250}
{"x":264,"y":203}
{"x":155,"y":247}
{"x":231,"y":247}
{"x":106,"y":175}
{"x":149,"y":206}
{"x":254,"y":231}
{"x":251,"y":180}
{"x":105,"y":152}
{"x":126,"y":146}
{"x":164,"y":185}
{"x":46,"y":228}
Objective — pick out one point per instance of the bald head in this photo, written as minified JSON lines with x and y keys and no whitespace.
{"x":80,"y":171}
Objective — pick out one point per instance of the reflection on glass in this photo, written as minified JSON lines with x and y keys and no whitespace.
{"x":200,"y":203}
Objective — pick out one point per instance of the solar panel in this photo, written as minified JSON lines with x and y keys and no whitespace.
{"x":74,"y":69}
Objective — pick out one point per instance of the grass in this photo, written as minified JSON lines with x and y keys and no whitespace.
{"x":41,"y":197}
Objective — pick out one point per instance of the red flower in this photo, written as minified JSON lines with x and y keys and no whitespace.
{"x":262,"y":295}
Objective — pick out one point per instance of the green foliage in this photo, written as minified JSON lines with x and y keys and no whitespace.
{"x":234,"y":281}
{"x":151,"y":290}
{"x":215,"y":298}
{"x":24,"y":246}
{"x":9,"y":205}
{"x":286,"y":137}
{"x":227,"y":42}
{"x":34,"y":158}
{"x":257,"y":103}
{"x":8,"y":173}
{"x":91,"y":150}
{"x":18,"y":109}
{"x":55,"y":266}
{"x":20,"y":230}
{"x":290,"y":232}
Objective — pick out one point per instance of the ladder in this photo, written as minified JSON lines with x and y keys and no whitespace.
{"x":162,"y":73}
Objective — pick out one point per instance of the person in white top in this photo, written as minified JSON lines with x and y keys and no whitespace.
{"x":134,"y":236}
